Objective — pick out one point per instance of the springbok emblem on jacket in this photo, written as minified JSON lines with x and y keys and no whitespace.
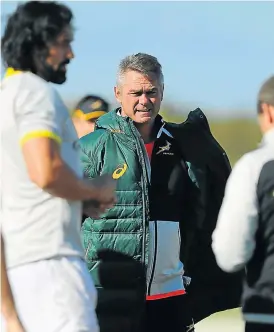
{"x":164,"y":148}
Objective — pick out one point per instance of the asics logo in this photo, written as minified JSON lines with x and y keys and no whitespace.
{"x":120,"y":171}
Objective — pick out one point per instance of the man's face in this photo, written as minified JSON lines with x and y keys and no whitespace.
{"x":59,"y":55}
{"x":140,"y":96}
{"x":266,"y":117}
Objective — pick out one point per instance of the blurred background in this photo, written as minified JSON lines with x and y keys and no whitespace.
{"x":215,"y":55}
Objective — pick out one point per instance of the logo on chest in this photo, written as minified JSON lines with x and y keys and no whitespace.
{"x":165,"y":150}
{"x":119,"y":171}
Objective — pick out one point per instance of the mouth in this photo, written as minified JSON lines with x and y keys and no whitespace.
{"x":146,"y":111}
{"x":63,"y":67}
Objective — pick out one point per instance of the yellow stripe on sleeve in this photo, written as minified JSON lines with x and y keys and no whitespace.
{"x":40,"y":133}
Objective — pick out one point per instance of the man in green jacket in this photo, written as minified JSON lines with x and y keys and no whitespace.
{"x":134,"y":251}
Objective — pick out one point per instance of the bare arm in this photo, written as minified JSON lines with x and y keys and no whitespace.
{"x":7,"y":302}
{"x":47,"y":169}
{"x":39,"y":119}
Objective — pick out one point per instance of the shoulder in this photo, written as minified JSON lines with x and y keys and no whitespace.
{"x":244,"y":165}
{"x":24,"y":82}
{"x":32,"y":90}
{"x":250,"y":165}
{"x":30,"y":81}
{"x":94,"y":140}
{"x":263,"y":165}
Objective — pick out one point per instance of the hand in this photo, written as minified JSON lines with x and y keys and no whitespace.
{"x":104,"y":187}
{"x":14,"y":325}
{"x":94,"y":210}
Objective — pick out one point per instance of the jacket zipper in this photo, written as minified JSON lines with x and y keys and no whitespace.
{"x":144,"y":223}
{"x":143,"y":196}
{"x":155,"y":239}
{"x":154,"y":257}
{"x":143,"y":151}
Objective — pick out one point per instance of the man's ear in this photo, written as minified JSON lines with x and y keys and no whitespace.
{"x":271,"y":114}
{"x":117,"y":93}
{"x":268,"y":112}
{"x":163,"y":92}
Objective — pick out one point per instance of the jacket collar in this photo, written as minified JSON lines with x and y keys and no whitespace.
{"x":114,"y":122}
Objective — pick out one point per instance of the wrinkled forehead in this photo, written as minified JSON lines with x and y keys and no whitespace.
{"x":136,"y":80}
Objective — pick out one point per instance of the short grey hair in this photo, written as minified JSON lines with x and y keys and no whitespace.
{"x":143,"y":63}
{"x":266,"y":93}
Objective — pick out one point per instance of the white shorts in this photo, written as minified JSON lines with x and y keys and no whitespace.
{"x":55,"y":295}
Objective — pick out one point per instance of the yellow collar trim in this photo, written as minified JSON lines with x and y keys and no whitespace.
{"x":11,"y":71}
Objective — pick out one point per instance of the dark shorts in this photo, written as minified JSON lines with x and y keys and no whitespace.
{"x":166,"y":315}
{"x":171,"y":314}
{"x":255,"y":327}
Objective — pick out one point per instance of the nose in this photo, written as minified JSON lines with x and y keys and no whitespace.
{"x":144,"y":100}
{"x":70,"y":54}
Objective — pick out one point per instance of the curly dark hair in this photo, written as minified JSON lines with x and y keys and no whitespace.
{"x":29,"y":31}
